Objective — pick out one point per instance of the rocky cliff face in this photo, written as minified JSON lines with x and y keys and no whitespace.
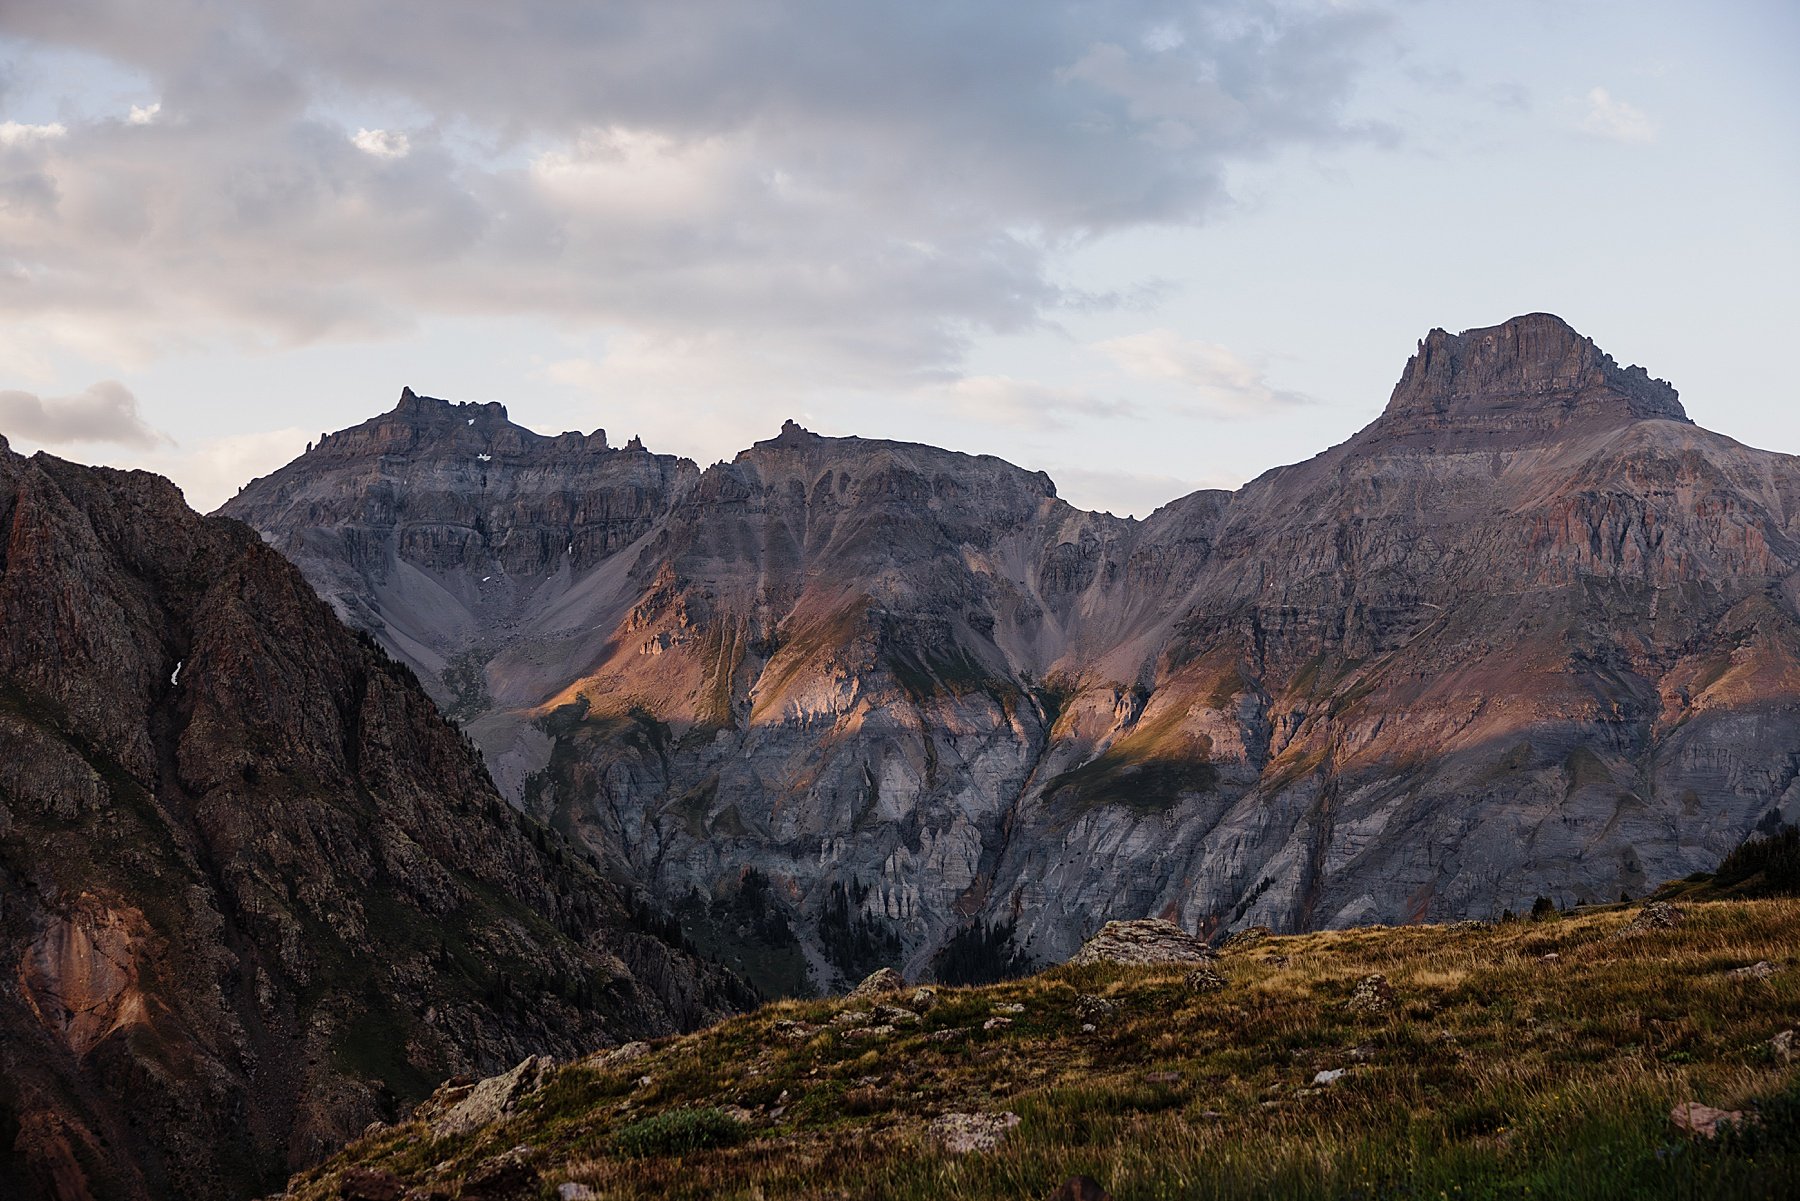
{"x":844,"y":701}
{"x":255,"y":892}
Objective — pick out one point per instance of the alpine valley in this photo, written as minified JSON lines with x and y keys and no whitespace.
{"x":842,"y":703}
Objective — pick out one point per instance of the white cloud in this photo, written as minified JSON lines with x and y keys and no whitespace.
{"x":144,"y":114}
{"x":1124,"y":493}
{"x":106,"y":412}
{"x":12,"y":133}
{"x":213,"y":471}
{"x":1209,"y":376}
{"x":1614,"y":119}
{"x":382,"y":143}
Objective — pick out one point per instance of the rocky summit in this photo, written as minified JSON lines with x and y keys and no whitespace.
{"x":848,"y":703}
{"x":255,"y":892}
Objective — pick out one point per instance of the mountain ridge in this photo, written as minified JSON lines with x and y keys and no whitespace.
{"x":1482,"y":650}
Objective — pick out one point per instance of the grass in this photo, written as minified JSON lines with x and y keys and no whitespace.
{"x":1496,"y":1074}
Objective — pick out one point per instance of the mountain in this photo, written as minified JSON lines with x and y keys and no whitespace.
{"x":844,"y":702}
{"x":255,"y":892}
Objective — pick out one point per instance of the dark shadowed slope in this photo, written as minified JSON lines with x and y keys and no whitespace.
{"x":254,"y":891}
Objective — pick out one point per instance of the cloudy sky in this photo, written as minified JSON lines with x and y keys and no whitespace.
{"x":1145,"y":246}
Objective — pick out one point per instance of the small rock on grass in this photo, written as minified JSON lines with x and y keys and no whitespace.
{"x":1080,"y":1188}
{"x":1373,"y":995}
{"x":1782,"y":1045}
{"x":1204,"y":980}
{"x":1703,"y":1120}
{"x":571,"y":1191}
{"x":1331,"y":1076}
{"x":1657,"y":915}
{"x":1760,"y":970}
{"x":962,"y":1133}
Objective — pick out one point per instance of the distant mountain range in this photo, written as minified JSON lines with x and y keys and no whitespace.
{"x":843,"y":702}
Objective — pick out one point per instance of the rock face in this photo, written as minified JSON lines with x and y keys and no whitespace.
{"x":254,"y":891}
{"x":850,"y":703}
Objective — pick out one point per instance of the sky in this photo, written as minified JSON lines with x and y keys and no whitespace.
{"x":1147,"y":247}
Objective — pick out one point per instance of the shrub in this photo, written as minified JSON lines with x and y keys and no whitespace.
{"x":679,"y":1131}
{"x":1543,"y":909}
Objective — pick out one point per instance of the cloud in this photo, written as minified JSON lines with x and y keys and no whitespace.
{"x":382,"y":143}
{"x":1209,"y":376}
{"x":1616,"y":120}
{"x":143,"y":114}
{"x":106,"y":412}
{"x":12,"y":133}
{"x":218,"y":467}
{"x":1002,"y":400}
{"x":867,"y":186}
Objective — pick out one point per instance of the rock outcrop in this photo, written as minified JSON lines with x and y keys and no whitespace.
{"x":848,"y":703}
{"x":1143,"y":941}
{"x":255,"y":892}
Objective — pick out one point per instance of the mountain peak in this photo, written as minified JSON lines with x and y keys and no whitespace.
{"x":1532,"y":373}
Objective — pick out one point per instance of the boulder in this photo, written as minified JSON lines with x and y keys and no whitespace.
{"x":1704,"y":1121}
{"x":879,"y":983}
{"x":1762,"y":969}
{"x":1657,"y":915}
{"x":492,"y":1099}
{"x":1246,"y":938}
{"x":1149,"y":940}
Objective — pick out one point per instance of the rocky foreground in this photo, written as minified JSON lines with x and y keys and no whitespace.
{"x":1624,"y":1053}
{"x":255,"y":892}
{"x":847,"y":702}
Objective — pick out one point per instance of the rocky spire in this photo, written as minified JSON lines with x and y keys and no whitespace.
{"x":1532,"y":373}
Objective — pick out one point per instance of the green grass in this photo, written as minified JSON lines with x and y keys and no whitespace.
{"x":1497,"y":1074}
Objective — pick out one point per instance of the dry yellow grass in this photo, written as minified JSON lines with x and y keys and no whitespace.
{"x":1496,"y":1073}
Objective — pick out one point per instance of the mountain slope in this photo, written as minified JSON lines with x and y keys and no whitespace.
{"x":257,"y":892}
{"x":1531,"y":632}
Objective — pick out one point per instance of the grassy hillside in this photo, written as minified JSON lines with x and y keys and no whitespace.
{"x":1493,"y":1072}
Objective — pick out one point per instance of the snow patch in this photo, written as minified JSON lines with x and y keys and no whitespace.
{"x":485,"y":458}
{"x":175,"y":677}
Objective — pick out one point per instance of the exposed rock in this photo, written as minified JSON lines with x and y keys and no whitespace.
{"x":619,"y":1056}
{"x":1762,"y":969}
{"x":1013,"y":1007}
{"x":653,"y":655}
{"x":1329,"y":1076}
{"x":1657,"y":915}
{"x":370,"y":1184}
{"x":256,"y":887}
{"x":492,"y":1099}
{"x":1080,"y":1188}
{"x":1244,"y":939}
{"x":1373,"y":995}
{"x":506,"y":1177}
{"x":1204,"y":980}
{"x":1703,"y":1120}
{"x":996,"y":1023}
{"x":1092,"y":1008}
{"x":1150,"y":940}
{"x":569,"y":1190}
{"x":962,"y":1133}
{"x":924,"y":999}
{"x":869,"y":1033}
{"x":878,"y":983}
{"x":1782,"y":1046}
